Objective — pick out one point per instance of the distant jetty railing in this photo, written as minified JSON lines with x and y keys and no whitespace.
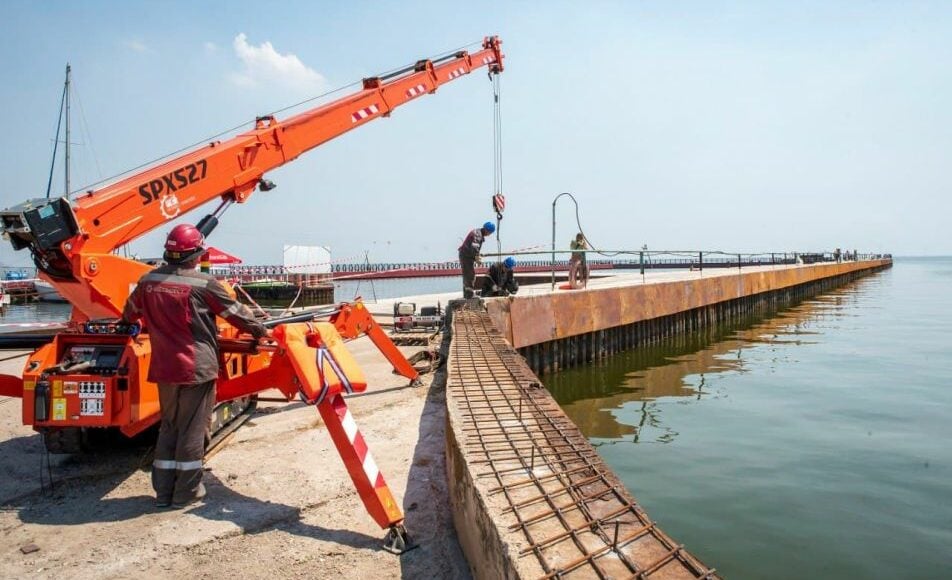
{"x":528,"y":262}
{"x":533,"y":262}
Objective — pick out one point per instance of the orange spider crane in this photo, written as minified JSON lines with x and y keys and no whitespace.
{"x":93,"y":376}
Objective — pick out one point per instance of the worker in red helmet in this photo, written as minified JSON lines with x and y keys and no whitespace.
{"x":178,"y":305}
{"x":469,"y":256}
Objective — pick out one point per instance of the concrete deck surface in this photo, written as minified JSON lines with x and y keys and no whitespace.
{"x":280,"y":503}
{"x":604,"y":279}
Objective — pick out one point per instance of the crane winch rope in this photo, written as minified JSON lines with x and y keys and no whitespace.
{"x":497,"y":156}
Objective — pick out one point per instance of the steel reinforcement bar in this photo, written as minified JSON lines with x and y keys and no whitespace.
{"x":532,"y":498}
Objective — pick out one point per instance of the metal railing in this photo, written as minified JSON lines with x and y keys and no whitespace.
{"x":528,"y":261}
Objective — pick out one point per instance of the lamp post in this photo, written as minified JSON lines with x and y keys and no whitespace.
{"x":554,"y":201}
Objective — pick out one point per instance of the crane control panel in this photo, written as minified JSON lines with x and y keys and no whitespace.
{"x":99,"y":359}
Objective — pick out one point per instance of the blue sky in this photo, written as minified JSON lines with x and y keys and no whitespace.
{"x":680,"y":125}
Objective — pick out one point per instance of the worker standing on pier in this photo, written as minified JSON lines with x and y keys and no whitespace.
{"x":500,"y":280}
{"x":578,"y":264}
{"x":469,"y":256}
{"x":179,"y":305}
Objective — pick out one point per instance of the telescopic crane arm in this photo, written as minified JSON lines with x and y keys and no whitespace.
{"x":72,"y":242}
{"x":96,"y":379}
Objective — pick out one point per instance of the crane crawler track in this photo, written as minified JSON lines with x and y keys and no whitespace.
{"x":575,"y":517}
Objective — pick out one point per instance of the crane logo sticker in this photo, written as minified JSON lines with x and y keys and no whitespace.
{"x":163,"y":189}
{"x":169,"y":206}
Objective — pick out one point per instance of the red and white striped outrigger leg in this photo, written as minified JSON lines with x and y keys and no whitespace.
{"x":363,"y":472}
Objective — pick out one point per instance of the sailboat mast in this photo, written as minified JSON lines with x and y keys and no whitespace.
{"x":66,"y":194}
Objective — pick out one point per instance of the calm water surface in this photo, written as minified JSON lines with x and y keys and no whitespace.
{"x":370,"y":290}
{"x":36,"y":312}
{"x":816,"y":443}
{"x":344,"y":290}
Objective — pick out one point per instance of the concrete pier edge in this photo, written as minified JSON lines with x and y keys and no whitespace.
{"x":558,"y":330}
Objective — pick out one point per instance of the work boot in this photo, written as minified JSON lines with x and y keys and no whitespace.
{"x":163,"y":502}
{"x":199,"y":495}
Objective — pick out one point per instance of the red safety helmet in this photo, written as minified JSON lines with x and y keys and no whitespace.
{"x":184,"y":242}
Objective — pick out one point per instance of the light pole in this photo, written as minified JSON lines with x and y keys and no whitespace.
{"x":554,"y":201}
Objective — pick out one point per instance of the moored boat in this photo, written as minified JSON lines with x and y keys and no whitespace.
{"x":46,"y":293}
{"x":273,"y":293}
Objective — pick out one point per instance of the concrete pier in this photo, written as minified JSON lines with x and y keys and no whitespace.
{"x":564,"y":329}
{"x":530,"y":496}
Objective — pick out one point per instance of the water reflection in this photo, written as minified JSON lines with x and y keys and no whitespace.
{"x":35,"y":312}
{"x":617,"y":400}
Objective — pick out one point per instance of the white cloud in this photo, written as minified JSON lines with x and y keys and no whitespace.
{"x":264,"y":65}
{"x":211,"y":47}
{"x":137,"y":46}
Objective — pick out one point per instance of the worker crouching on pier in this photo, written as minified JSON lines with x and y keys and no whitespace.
{"x":500,"y":280}
{"x":179,"y":305}
{"x":469,"y":256}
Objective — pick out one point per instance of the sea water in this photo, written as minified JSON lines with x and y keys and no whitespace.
{"x":815,"y":442}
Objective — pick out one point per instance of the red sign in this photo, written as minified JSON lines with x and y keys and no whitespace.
{"x":216,"y":256}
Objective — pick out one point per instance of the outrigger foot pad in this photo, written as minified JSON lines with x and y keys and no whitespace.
{"x":398,"y":540}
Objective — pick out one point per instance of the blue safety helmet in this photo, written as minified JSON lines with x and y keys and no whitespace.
{"x":510,"y":262}
{"x":489,"y":227}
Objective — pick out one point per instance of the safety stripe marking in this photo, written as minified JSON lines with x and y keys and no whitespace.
{"x":456,"y":73}
{"x":360,"y":446}
{"x":417,"y":90}
{"x":370,"y":468}
{"x":489,"y":59}
{"x":364,"y":113}
{"x":350,"y":426}
{"x":177,"y":465}
{"x":232,"y":310}
{"x":357,"y":441}
{"x":175,"y":279}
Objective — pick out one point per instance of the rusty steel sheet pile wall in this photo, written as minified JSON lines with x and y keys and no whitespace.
{"x":530,"y":496}
{"x":564,"y":329}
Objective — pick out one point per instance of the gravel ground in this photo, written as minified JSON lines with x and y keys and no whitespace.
{"x":280,"y":503}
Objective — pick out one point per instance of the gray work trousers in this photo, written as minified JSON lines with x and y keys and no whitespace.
{"x":468,"y":266}
{"x":177,"y":469}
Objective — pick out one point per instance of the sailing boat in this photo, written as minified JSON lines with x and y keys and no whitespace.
{"x":44,"y":290}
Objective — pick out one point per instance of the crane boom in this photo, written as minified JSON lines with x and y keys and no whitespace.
{"x":94,"y":376}
{"x":72,"y":241}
